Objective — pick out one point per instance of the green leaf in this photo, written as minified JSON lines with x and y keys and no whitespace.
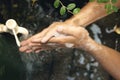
{"x":56,"y":3}
{"x":99,"y":1}
{"x":62,"y":10}
{"x":76,"y":10}
{"x":105,"y":1}
{"x":108,"y":6}
{"x":115,"y":9}
{"x":102,"y":1}
{"x":71,"y":6}
{"x":91,"y":0}
{"x":114,"y":1}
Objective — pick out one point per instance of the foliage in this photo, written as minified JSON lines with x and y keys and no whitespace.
{"x":71,"y":8}
{"x":109,"y":6}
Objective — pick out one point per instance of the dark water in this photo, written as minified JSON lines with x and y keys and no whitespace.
{"x":10,"y":60}
{"x":58,"y":64}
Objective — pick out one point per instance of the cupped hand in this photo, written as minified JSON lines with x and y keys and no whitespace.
{"x":73,"y":36}
{"x":35,"y":43}
{"x":69,"y":36}
{"x":28,"y":46}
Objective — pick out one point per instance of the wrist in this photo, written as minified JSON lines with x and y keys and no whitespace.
{"x":71,"y":22}
{"x":90,"y":46}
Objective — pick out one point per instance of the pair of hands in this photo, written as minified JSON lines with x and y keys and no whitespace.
{"x":58,"y":33}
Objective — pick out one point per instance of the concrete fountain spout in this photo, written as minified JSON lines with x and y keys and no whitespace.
{"x":12,"y":27}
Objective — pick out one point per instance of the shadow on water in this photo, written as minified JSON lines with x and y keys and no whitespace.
{"x":59,"y":64}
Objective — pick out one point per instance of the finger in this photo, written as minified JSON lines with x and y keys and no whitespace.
{"x":42,"y":47}
{"x":68,"y":42}
{"x":27,"y":41}
{"x":23,"y":49}
{"x":28,"y":51}
{"x":62,"y":40}
{"x":36,"y":48}
{"x":37,"y":51}
{"x":23,"y":43}
{"x":32,"y":49}
{"x":28,"y":46}
{"x":47,"y":37}
{"x":37,"y":40}
{"x":73,"y":31}
{"x":35,"y":44}
{"x":39,"y":36}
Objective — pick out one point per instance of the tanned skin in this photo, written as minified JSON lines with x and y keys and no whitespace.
{"x":76,"y":34}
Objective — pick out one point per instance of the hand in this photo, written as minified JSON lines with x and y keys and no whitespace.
{"x":70,"y":37}
{"x":78,"y":36}
{"x":34,"y":43}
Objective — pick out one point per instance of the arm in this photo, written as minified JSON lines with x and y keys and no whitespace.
{"x":90,"y":13}
{"x":107,"y":57}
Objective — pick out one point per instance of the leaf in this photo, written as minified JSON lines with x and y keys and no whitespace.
{"x":76,"y":10}
{"x":56,"y":3}
{"x":99,"y":1}
{"x":91,"y":0}
{"x":102,"y":1}
{"x":107,"y":6}
{"x":62,"y":10}
{"x":111,"y":8}
{"x":115,"y":9}
{"x":114,"y":1}
{"x":105,"y":1}
{"x":71,"y":6}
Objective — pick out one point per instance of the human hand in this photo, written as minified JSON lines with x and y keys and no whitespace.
{"x":35,"y":43}
{"x":70,"y":37}
{"x":76,"y":37}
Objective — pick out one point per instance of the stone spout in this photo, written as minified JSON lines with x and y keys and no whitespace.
{"x":12,"y":27}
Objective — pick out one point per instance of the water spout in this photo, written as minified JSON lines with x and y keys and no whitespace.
{"x":3,"y":28}
{"x":12,"y":27}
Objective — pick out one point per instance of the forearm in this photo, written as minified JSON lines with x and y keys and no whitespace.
{"x":108,"y":58}
{"x":89,"y":13}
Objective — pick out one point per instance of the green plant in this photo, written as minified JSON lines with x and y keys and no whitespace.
{"x":109,"y":5}
{"x":71,"y":8}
